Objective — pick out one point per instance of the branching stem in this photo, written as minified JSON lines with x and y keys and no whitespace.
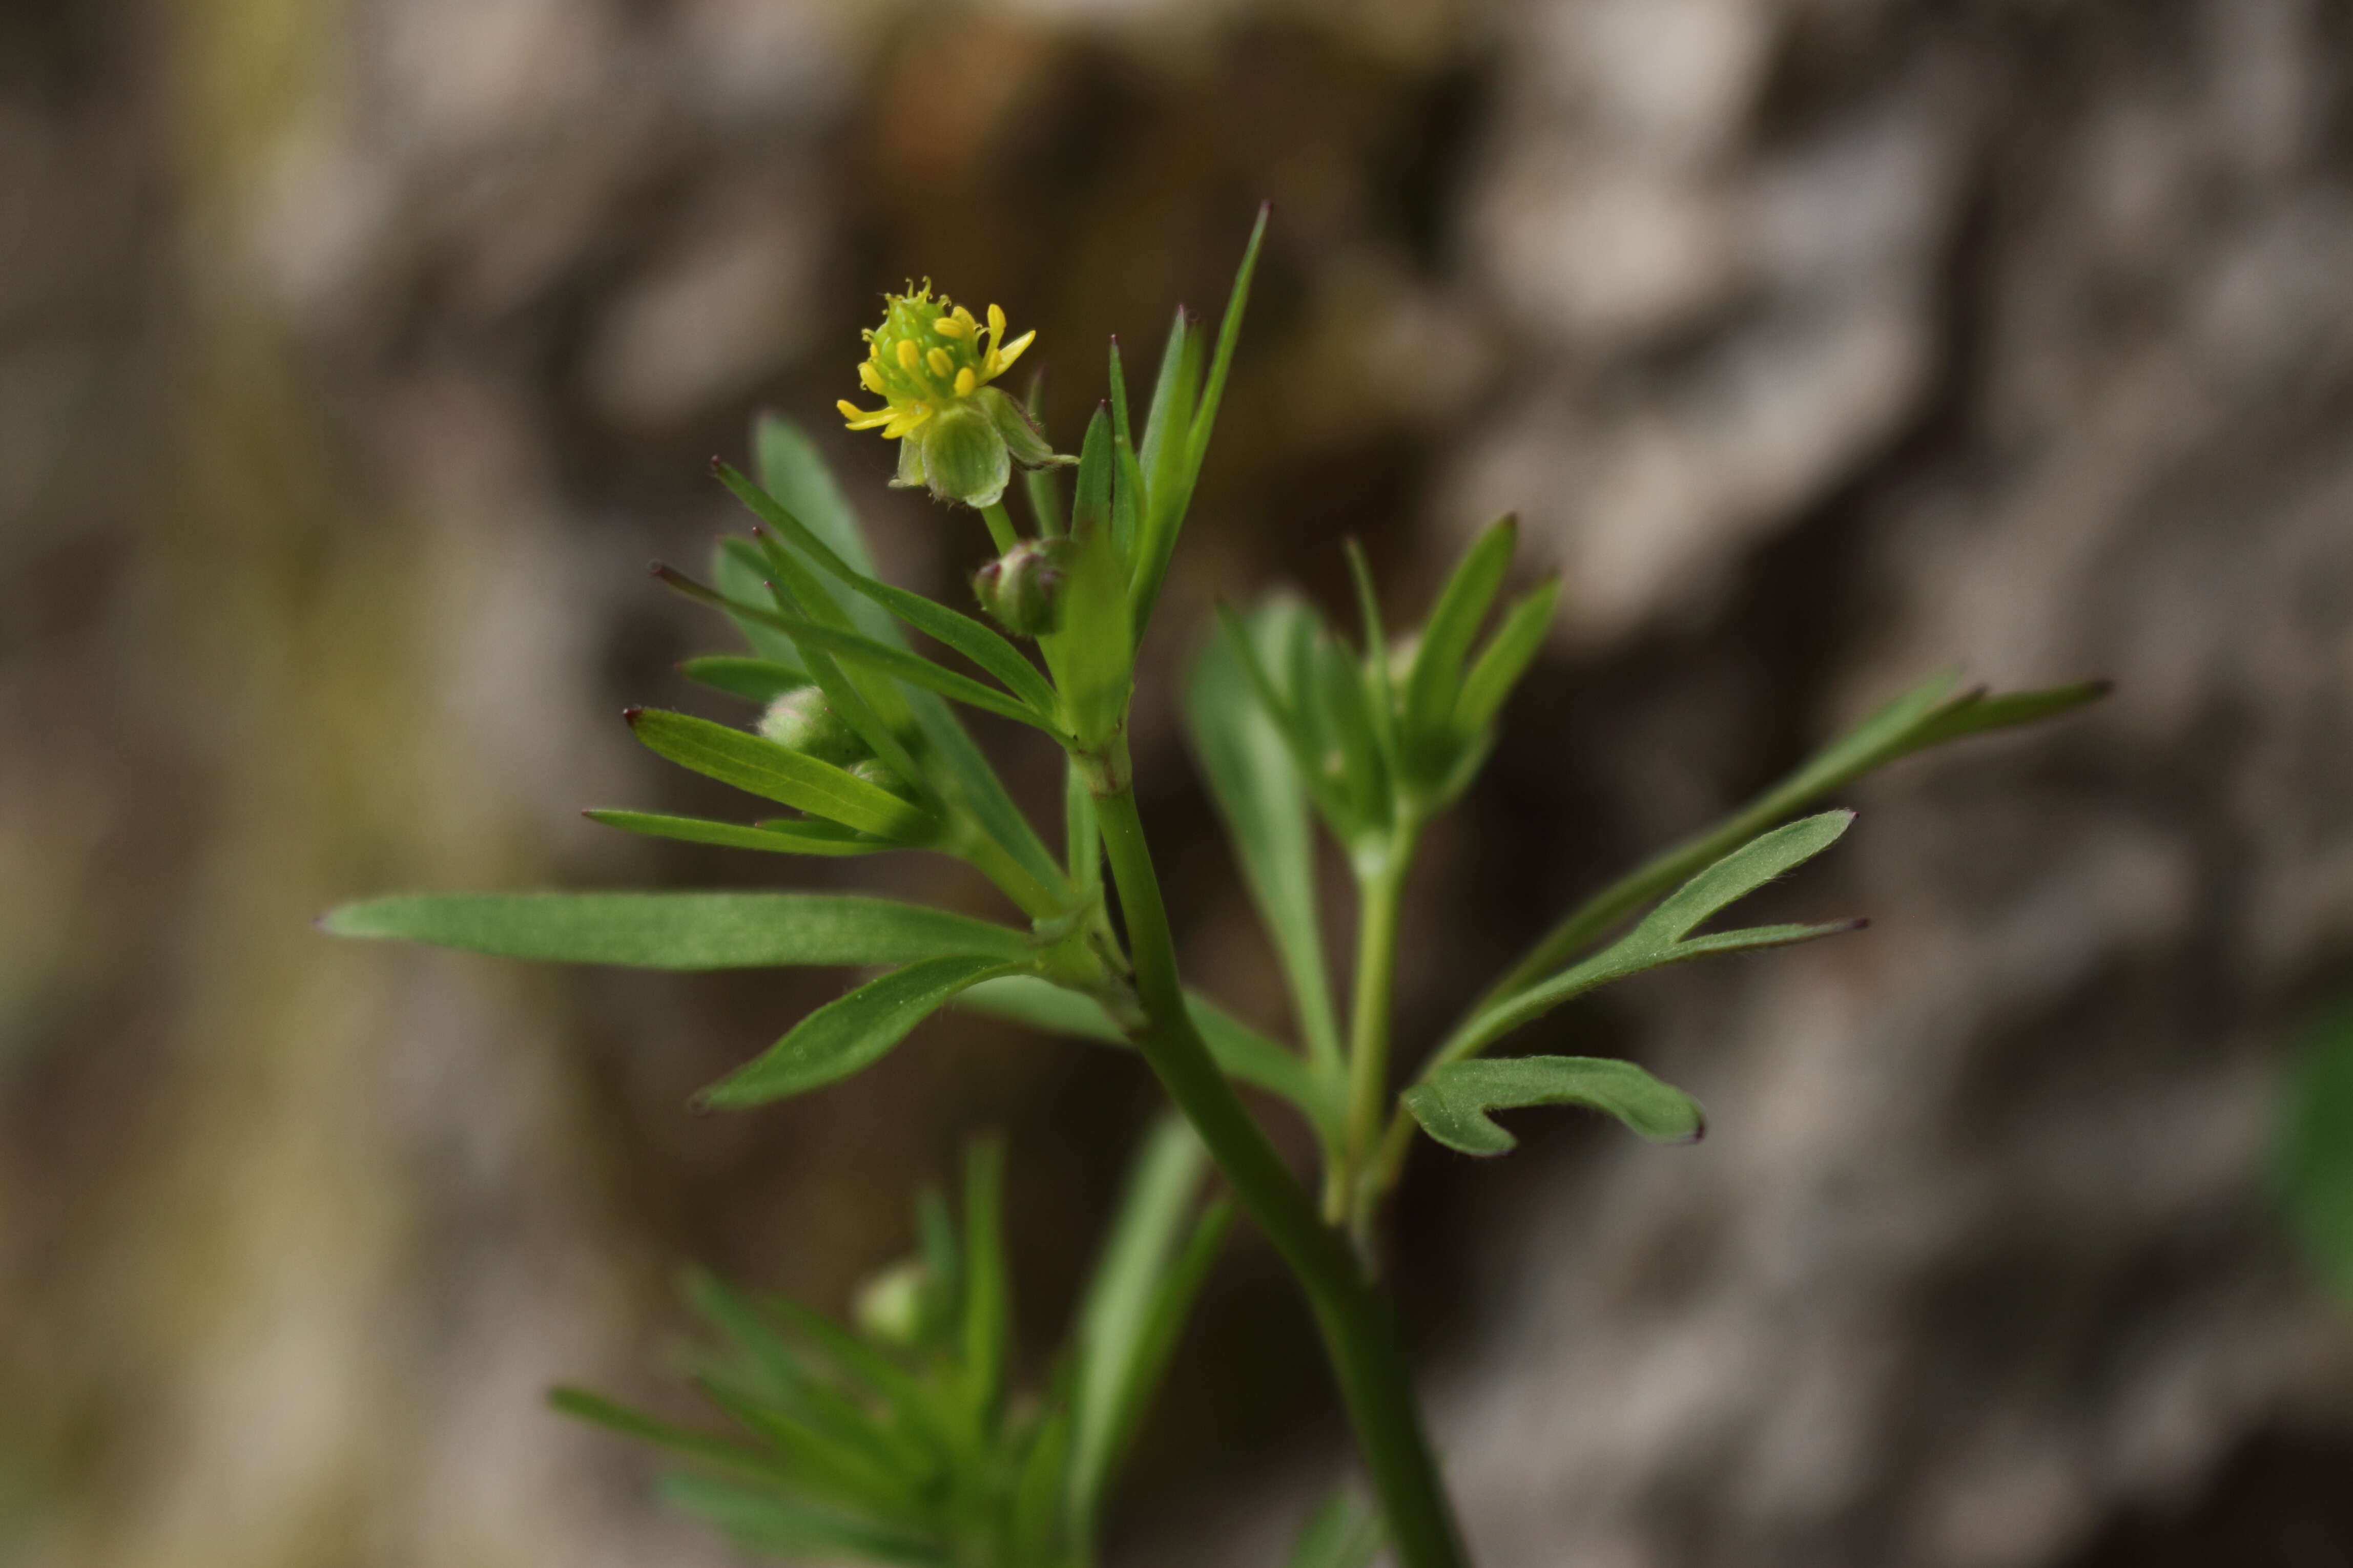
{"x":1356,"y":1319}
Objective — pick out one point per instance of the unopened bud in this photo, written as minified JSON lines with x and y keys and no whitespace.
{"x":1022,"y":589}
{"x":890,"y":1307}
{"x":804,"y":721}
{"x":874,"y":772}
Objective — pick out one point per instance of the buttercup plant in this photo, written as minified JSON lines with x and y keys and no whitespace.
{"x":897,"y":1440}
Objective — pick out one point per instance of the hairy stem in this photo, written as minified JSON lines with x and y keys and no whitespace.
{"x":1357,"y":1323}
{"x":1000,"y":526}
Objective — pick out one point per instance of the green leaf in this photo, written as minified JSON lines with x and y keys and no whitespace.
{"x":776,"y":1371}
{"x":1144,"y":1282}
{"x":1041,"y":1005}
{"x":1230,"y":331}
{"x":680,"y":931}
{"x":2312,"y":1161}
{"x":1927,"y":714}
{"x":1737,"y":874}
{"x":961,"y":632}
{"x":1044,"y":483}
{"x":1452,"y":1104}
{"x":761,"y":681}
{"x":1434,"y":686}
{"x":963,"y":774}
{"x":765,"y":1521}
{"x":1036,"y":1522}
{"x":725,"y":1453}
{"x":1167,"y":422}
{"x":796,"y":476}
{"x":868,"y":701}
{"x":814,"y":1463}
{"x":1377,"y":653}
{"x":1658,"y":940}
{"x":754,"y":764}
{"x":965,"y":779}
{"x":1282,"y":655}
{"x":1240,"y":1051}
{"x":1091,"y":506}
{"x":739,"y":574}
{"x":1344,"y":1532}
{"x":918,"y":670}
{"x":1255,"y":784}
{"x":1506,"y":659}
{"x":1092,"y":652}
{"x":1976,"y":712}
{"x":1164,"y":461}
{"x":987,"y":1293}
{"x":784,"y":838}
{"x":851,"y":1033}
{"x":1128,"y":494}
{"x":1163,"y":1184}
{"x":1335,"y":693}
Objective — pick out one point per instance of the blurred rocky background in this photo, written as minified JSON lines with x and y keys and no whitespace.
{"x":354,"y":355}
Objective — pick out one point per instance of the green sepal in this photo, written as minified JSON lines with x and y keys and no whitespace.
{"x":851,"y":1033}
{"x":1452,"y":1104}
{"x":1024,"y":441}
{"x":965,"y":458}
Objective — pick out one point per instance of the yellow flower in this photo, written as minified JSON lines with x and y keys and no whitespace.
{"x":931,"y":362}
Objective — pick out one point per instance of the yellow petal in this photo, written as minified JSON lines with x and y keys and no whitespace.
{"x":860,"y":419}
{"x":1001,"y":360}
{"x":906,"y":419}
{"x":940,"y":362}
{"x":965,"y":382}
{"x":996,"y":322}
{"x":949,"y":327}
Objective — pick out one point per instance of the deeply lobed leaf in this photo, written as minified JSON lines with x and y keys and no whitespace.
{"x":1452,"y":1104}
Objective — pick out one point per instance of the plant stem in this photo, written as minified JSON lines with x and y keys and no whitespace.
{"x":1380,"y":893}
{"x":1357,"y":1320}
{"x":1000,"y":526}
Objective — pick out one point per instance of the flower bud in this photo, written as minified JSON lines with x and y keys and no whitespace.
{"x":876,"y":772}
{"x":1022,"y":589}
{"x":890,"y":1307}
{"x":802,"y":720}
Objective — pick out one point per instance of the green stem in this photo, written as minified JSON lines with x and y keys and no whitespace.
{"x":1380,"y":894}
{"x":1000,"y":526}
{"x":1359,"y":1324}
